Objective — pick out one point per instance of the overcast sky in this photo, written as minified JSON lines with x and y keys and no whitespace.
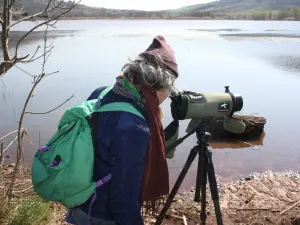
{"x":143,"y":4}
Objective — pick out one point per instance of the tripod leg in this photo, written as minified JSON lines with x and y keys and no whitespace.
{"x":214,"y":188}
{"x":199,"y":182}
{"x":203,"y":192}
{"x":183,"y":172}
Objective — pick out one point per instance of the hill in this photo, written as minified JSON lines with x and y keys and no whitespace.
{"x":228,"y":9}
{"x":247,"y":9}
{"x":226,"y":6}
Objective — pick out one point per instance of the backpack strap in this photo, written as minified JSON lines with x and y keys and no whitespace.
{"x":104,"y":92}
{"x":116,"y":106}
{"x":120,"y":106}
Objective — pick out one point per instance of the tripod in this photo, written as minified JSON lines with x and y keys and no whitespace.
{"x":205,"y":169}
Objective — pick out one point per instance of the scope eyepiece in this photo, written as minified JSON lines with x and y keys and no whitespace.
{"x":179,"y":106}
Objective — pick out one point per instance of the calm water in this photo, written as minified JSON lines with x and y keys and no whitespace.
{"x":260,"y":60}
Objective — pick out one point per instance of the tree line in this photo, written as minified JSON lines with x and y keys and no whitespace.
{"x":292,"y":13}
{"x":285,"y":14}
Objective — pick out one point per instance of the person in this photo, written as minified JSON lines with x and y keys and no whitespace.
{"x":130,"y":148}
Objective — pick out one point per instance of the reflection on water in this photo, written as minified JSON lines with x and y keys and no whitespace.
{"x":15,"y":36}
{"x":272,"y":37}
{"x":240,"y":143}
{"x":94,"y":55}
{"x":218,"y":30}
{"x":288,"y":63}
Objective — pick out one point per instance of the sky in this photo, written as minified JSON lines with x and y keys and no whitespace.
{"x":143,"y":4}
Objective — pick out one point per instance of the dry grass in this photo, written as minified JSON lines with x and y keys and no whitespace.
{"x":269,"y":198}
{"x":29,"y":211}
{"x":26,"y":208}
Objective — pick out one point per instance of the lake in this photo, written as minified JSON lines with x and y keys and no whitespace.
{"x":259,"y":60}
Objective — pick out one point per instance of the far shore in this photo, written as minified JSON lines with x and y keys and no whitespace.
{"x":165,"y":18}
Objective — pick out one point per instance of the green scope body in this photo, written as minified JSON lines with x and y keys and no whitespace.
{"x":190,"y":105}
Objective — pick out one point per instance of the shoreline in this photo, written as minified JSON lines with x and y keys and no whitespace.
{"x":166,"y":18}
{"x":260,"y":198}
{"x":268,"y":198}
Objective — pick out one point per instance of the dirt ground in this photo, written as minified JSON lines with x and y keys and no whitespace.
{"x":259,"y":199}
{"x":268,"y":198}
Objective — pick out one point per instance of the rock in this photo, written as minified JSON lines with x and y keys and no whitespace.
{"x":249,"y":178}
{"x":254,"y":127}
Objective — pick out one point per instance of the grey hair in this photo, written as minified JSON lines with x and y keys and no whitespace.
{"x":153,"y":72}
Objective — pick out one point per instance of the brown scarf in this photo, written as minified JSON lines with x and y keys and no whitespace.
{"x":155,"y":182}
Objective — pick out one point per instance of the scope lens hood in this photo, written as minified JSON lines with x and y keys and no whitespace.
{"x":238,"y":103}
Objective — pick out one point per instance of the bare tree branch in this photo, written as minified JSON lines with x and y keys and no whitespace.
{"x":20,"y":146}
{"x":44,"y":23}
{"x":11,"y":3}
{"x":33,"y":113}
{"x":49,"y":74}
{"x":2,"y":82}
{"x":37,"y":80}
{"x":24,"y":71}
{"x":15,"y":13}
{"x":1,"y":153}
{"x":32,"y":60}
{"x":35,"y":15}
{"x":4,"y":36}
{"x":8,"y":134}
{"x":37,"y":49}
{"x":9,"y":62}
{"x":7,"y":147}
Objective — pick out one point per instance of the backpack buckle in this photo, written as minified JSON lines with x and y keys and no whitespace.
{"x":56,"y":161}
{"x":45,"y":149}
{"x":99,"y":103}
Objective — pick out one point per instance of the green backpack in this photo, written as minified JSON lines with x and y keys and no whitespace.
{"x":63,"y":170}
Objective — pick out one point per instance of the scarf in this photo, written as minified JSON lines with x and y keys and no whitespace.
{"x":155,"y":182}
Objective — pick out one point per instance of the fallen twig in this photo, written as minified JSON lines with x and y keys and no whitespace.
{"x":250,"y":199}
{"x":2,"y":187}
{"x":174,"y":216}
{"x":297,"y":203}
{"x":256,"y":209}
{"x":26,"y":189}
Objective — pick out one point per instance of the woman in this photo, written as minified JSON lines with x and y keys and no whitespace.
{"x":130,"y":148}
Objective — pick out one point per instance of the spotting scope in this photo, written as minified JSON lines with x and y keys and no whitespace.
{"x":199,"y":106}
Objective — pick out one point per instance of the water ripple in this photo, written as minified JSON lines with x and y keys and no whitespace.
{"x":272,"y":37}
{"x":287,"y":63}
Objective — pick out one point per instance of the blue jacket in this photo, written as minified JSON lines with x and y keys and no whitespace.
{"x":122,"y":144}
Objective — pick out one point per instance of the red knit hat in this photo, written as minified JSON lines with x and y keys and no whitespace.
{"x":160,"y":47}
